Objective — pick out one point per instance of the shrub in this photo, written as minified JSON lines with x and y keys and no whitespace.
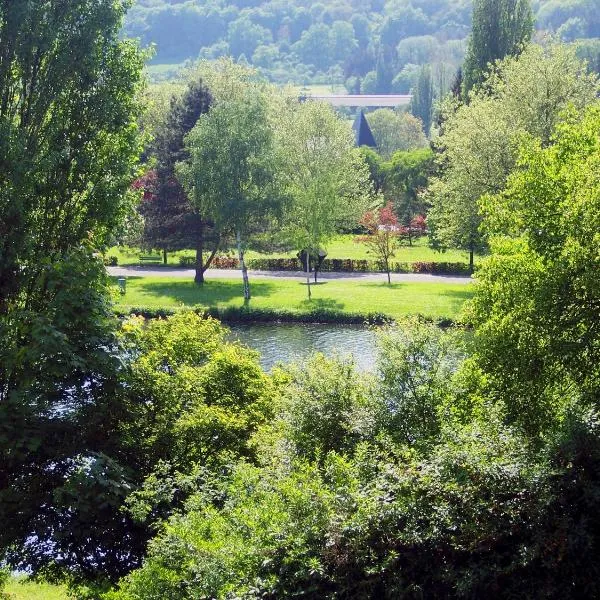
{"x":187,"y":261}
{"x":111,"y":261}
{"x":224,"y":262}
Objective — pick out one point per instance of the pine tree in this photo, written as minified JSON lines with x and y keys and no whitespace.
{"x":500,"y":28}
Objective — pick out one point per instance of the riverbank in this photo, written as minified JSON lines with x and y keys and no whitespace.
{"x":333,"y":301}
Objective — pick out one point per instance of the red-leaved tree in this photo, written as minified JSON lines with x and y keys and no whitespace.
{"x":383,"y":233}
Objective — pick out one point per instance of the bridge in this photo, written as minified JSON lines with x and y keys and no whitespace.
{"x":363,"y":100}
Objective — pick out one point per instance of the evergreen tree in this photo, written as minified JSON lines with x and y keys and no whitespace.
{"x":421,"y":104}
{"x":500,"y":28}
{"x":171,"y":222}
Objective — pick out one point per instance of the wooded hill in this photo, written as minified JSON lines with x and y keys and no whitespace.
{"x":370,"y":45}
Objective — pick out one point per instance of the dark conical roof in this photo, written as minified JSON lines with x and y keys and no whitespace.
{"x":362,"y":131}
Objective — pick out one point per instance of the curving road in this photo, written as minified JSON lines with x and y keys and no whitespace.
{"x":298,"y":275}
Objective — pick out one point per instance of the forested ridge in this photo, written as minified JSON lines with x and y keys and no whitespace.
{"x":371,"y":46}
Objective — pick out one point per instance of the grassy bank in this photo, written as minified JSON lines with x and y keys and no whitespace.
{"x":343,"y":246}
{"x":19,"y":588}
{"x":432,"y":300}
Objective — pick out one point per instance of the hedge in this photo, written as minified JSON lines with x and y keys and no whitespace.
{"x":344,"y":265}
{"x":232,"y":314}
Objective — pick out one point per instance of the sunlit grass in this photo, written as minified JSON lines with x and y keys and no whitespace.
{"x":434,"y":300}
{"x":20,"y":588}
{"x":342,"y":246}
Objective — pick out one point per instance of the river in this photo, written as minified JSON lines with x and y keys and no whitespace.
{"x":295,"y":342}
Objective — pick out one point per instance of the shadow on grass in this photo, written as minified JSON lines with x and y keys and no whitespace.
{"x":209,"y":294}
{"x":437,"y":288}
{"x":325,"y":304}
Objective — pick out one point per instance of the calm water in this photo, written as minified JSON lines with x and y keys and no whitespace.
{"x":295,"y":342}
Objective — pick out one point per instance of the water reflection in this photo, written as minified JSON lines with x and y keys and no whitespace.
{"x":295,"y":342}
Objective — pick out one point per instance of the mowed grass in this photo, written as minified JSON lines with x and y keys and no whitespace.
{"x":434,"y":300}
{"x":20,"y":588}
{"x":342,"y":246}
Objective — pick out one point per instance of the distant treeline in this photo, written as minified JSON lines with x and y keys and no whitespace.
{"x":371,"y":45}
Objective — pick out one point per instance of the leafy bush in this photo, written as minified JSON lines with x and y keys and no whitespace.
{"x":111,"y":261}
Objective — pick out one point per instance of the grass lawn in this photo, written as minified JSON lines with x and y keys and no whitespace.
{"x":434,"y":300}
{"x":342,"y":246}
{"x":19,"y":588}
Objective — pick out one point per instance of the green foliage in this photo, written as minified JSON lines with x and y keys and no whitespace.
{"x":421,"y":104}
{"x":524,"y":96}
{"x":326,"y":408}
{"x":406,"y":177}
{"x":326,"y":178}
{"x":232,"y":174}
{"x":170,"y":222}
{"x":415,"y":366}
{"x":500,"y":29}
{"x":395,"y":131}
{"x":70,"y":90}
{"x":537,"y":308}
{"x":191,"y":399}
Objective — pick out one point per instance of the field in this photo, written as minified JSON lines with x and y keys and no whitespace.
{"x":19,"y":588}
{"x":432,"y":300}
{"x":343,"y":246}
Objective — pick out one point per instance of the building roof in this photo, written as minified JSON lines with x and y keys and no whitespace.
{"x":363,"y":134}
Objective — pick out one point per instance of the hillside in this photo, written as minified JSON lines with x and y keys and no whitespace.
{"x":371,"y":46}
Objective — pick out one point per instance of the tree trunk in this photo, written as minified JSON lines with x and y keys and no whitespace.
{"x":243,"y":267}
{"x":387,"y":270}
{"x":164,"y":256}
{"x":308,"y":274}
{"x":471,"y":259}
{"x":199,"y":278}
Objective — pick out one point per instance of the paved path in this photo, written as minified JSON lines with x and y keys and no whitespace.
{"x":289,"y":275}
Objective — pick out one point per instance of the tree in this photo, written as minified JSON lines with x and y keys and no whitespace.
{"x":171,"y":223}
{"x":326,"y":178}
{"x":314,"y":46}
{"x":69,"y":150}
{"x":407,"y":176}
{"x":537,"y":304}
{"x":500,"y":28}
{"x":245,"y":37}
{"x":343,"y":42}
{"x":421,"y":104}
{"x":383,"y":232}
{"x":523,"y":96}
{"x":395,"y":130}
{"x":232,"y":174}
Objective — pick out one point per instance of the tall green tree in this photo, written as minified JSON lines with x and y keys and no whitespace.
{"x":421,"y":104}
{"x":537,"y":307}
{"x":327,"y":179}
{"x":232,"y":173}
{"x":500,"y":28}
{"x":524,"y":96}
{"x":69,"y":149}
